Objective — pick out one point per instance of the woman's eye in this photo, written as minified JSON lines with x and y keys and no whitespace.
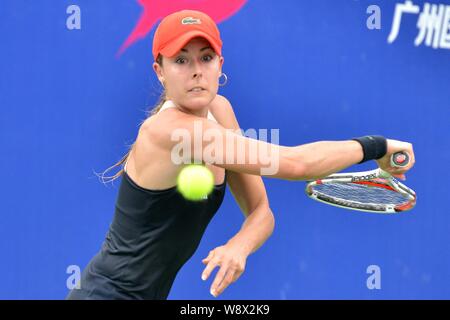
{"x":207,"y":58}
{"x":182,"y":60}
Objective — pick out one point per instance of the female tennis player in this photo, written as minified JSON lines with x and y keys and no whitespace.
{"x":155,"y":230}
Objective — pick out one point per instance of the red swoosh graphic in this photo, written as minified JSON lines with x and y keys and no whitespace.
{"x":155,"y":10}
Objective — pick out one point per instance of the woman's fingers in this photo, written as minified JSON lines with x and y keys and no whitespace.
{"x":231,"y":265}
{"x":209,"y":268}
{"x":209,"y":257}
{"x":227,"y":280}
{"x":398,"y":146}
{"x":218,"y":280}
{"x":399,"y":176}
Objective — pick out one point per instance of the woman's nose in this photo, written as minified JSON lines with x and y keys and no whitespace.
{"x":197,"y":71}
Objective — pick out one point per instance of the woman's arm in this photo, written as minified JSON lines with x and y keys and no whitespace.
{"x":320,"y":159}
{"x":250,"y":194}
{"x":192,"y":138}
{"x":231,"y":257}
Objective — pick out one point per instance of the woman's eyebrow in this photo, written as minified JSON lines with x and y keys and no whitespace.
{"x":202,"y":49}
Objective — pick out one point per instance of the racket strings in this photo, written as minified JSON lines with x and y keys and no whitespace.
{"x":362,"y":193}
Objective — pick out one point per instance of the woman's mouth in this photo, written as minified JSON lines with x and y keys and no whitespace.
{"x":197,"y":89}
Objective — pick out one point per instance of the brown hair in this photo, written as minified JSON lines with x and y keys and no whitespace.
{"x":154,"y":111}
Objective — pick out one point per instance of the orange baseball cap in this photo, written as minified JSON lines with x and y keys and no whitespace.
{"x":178,"y":28}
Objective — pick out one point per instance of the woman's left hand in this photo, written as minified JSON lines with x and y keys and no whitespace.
{"x":231,"y":260}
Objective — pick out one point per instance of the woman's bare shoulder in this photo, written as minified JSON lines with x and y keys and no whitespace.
{"x":223,"y":112}
{"x":150,"y":164}
{"x":159,"y":126}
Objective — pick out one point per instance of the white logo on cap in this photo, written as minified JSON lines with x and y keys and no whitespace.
{"x":190,"y":20}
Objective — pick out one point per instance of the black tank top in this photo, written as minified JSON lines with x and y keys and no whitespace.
{"x":152,"y":235}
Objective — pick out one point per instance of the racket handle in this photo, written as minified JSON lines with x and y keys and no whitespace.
{"x":400,"y":159}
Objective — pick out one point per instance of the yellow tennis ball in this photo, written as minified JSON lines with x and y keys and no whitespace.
{"x":195,"y":182}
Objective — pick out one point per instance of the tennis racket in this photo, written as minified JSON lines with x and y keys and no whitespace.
{"x":370,"y":191}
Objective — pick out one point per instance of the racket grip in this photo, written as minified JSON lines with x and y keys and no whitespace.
{"x":400,"y":159}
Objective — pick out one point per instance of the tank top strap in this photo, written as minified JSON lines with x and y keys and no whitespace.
{"x":167,"y":104}
{"x":171,"y":104}
{"x":211,"y":117}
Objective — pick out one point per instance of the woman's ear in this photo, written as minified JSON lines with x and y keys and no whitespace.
{"x":221,"y":61}
{"x":159,"y":72}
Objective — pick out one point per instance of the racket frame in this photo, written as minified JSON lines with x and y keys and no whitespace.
{"x":364,"y":177}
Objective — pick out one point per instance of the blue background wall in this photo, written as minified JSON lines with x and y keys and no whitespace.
{"x":69,"y":107}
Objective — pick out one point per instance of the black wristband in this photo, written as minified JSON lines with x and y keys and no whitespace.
{"x":374,"y":147}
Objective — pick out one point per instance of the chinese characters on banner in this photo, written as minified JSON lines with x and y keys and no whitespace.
{"x":433,"y":24}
